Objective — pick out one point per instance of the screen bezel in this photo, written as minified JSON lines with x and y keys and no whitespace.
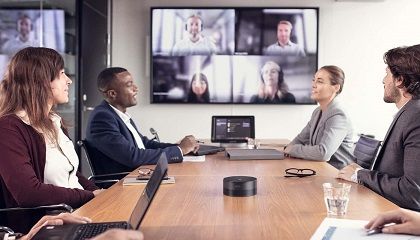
{"x":151,"y":56}
{"x":213,"y":129}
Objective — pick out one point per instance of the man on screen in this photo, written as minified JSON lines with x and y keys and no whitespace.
{"x":25,"y":37}
{"x":284,"y":46}
{"x":195,"y":43}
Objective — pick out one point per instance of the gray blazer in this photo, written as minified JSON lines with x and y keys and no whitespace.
{"x":396,"y":172}
{"x":330,"y":140}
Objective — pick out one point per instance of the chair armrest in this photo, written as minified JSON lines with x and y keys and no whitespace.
{"x":110,"y":176}
{"x":105,"y":184}
{"x":21,"y":219}
{"x":55,"y":207}
{"x":107,"y":180}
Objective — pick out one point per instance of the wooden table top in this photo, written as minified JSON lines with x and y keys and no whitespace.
{"x":195,"y":207}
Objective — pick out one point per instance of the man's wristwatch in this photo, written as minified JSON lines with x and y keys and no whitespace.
{"x":353,"y":177}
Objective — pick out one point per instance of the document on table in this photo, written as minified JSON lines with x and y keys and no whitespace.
{"x":195,"y":158}
{"x":343,"y":229}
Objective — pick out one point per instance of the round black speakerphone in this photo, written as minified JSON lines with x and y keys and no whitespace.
{"x":239,"y":186}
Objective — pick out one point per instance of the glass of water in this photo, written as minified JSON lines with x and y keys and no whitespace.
{"x":336,"y":197}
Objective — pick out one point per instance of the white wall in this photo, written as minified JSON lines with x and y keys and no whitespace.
{"x":353,"y":35}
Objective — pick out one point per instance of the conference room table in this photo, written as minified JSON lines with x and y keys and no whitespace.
{"x":195,"y":207}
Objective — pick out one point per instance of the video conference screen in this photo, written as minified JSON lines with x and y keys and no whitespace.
{"x":233,"y":55}
{"x":232,"y":128}
{"x":20,"y":28}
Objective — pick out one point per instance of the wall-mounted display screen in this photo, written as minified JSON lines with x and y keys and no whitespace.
{"x":233,"y":55}
{"x":20,"y":28}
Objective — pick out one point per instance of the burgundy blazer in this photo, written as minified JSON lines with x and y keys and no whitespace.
{"x":22,"y":163}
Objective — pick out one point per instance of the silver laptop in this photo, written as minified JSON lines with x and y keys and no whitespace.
{"x":85,"y":231}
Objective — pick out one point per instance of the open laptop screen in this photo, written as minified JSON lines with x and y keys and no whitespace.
{"x":232,"y":129}
{"x":149,"y":192}
{"x":87,"y":231}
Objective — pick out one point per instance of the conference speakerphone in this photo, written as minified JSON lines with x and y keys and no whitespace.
{"x":239,"y":186}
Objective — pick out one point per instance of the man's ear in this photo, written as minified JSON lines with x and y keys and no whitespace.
{"x":112,"y":94}
{"x":399,"y":82}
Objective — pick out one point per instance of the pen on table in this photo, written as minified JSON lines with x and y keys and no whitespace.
{"x":374,"y":231}
{"x":199,"y":141}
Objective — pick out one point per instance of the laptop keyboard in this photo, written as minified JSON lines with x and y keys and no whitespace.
{"x":86,"y":231}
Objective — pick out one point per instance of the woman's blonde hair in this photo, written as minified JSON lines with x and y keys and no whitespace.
{"x":336,"y":76}
{"x":282,"y":87}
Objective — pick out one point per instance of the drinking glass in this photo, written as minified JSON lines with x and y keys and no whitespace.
{"x":336,"y":197}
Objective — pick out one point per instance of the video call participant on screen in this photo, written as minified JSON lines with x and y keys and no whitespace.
{"x":395,"y":173}
{"x":199,"y":89}
{"x":195,"y":43}
{"x":25,"y":37}
{"x":272,"y":88}
{"x":114,"y":139}
{"x":284,"y":46}
{"x":328,"y":135}
{"x":38,"y":162}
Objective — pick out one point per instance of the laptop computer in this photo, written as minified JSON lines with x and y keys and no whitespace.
{"x":85,"y":231}
{"x":232,"y":129}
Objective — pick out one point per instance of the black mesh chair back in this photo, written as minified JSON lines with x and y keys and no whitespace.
{"x":366,"y":150}
{"x":101,"y":180}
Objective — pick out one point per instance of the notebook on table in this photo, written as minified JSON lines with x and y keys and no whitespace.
{"x":85,"y":231}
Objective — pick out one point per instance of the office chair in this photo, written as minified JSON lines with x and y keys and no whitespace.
{"x":22,"y":219}
{"x":366,"y":150}
{"x":101,"y":180}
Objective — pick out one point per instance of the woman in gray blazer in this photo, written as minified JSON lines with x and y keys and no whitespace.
{"x":328,"y":135}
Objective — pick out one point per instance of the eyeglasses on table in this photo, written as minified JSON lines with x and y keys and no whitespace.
{"x":299,"y":172}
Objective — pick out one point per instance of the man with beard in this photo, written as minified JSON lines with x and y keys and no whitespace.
{"x":25,"y":37}
{"x":395,"y":173}
{"x":115,"y":143}
{"x":195,"y":43}
{"x":284,"y":46}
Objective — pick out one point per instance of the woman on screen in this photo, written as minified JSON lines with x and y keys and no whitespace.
{"x":199,"y":89}
{"x":272,"y":89}
{"x":328,"y":135}
{"x":39,"y":163}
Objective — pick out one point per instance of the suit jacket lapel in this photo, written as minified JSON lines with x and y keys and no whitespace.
{"x":384,"y":142}
{"x":135,"y":127}
{"x":121,"y":122}
{"x":320,"y":120}
{"x":314,"y":127}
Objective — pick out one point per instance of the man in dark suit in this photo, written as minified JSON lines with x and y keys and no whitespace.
{"x":113,"y":140}
{"x":395,"y":173}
